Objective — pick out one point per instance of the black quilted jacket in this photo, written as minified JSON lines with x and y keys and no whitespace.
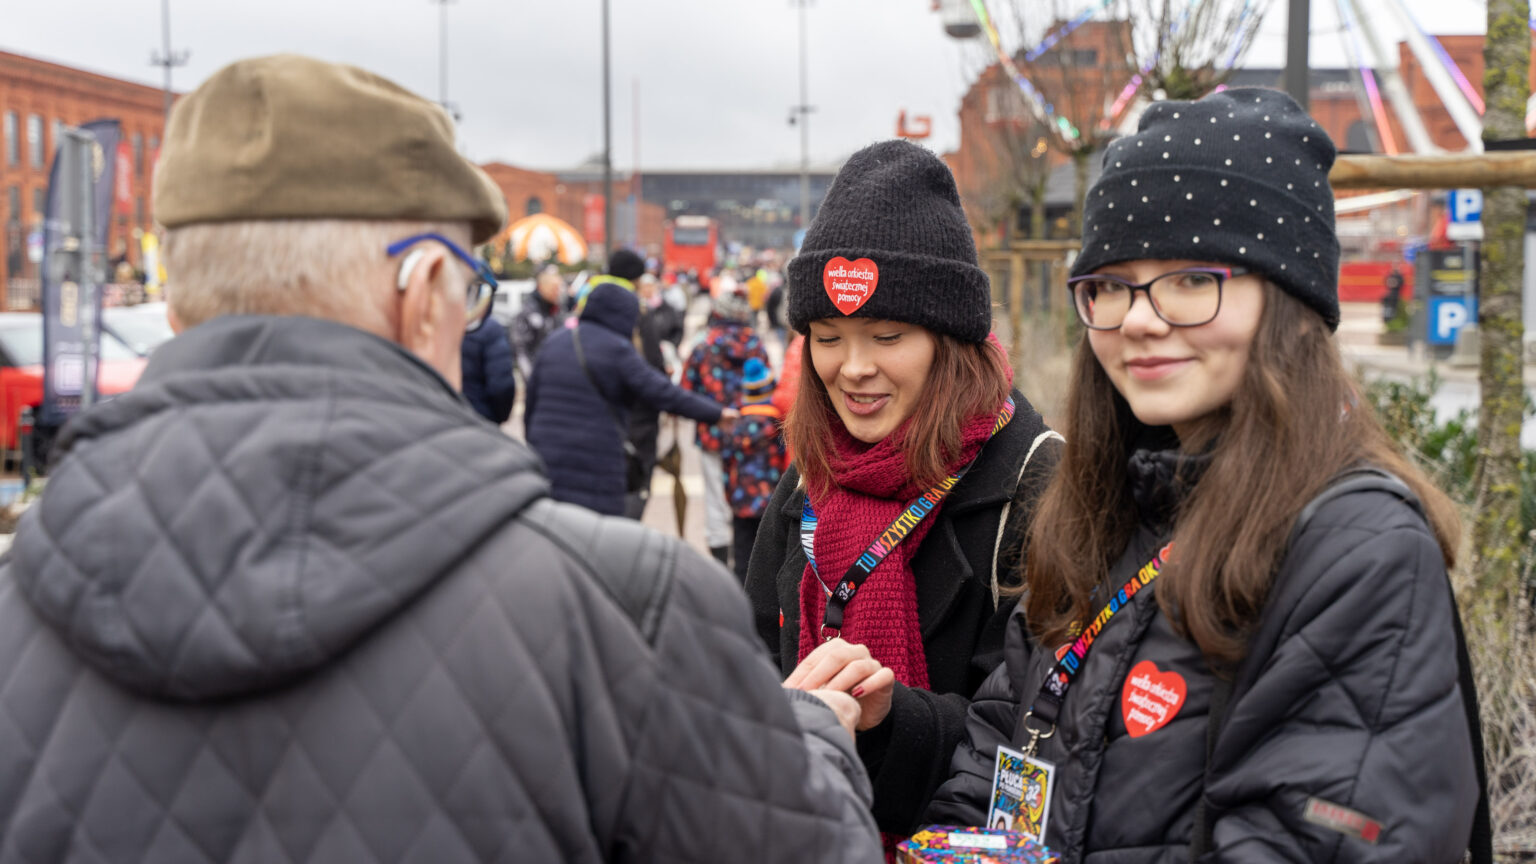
{"x":290,"y":600}
{"x":1348,"y":697}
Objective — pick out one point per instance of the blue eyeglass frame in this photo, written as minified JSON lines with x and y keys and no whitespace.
{"x":482,"y":270}
{"x":1224,"y":273}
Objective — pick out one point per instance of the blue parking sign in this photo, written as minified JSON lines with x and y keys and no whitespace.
{"x":1465,"y":205}
{"x":1447,"y":315}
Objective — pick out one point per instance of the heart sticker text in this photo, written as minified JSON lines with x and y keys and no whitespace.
{"x":850,"y":284}
{"x":1150,"y":698}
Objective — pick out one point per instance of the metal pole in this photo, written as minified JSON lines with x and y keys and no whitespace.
{"x":170,"y":59}
{"x":607,"y":145}
{"x":165,"y":41}
{"x":805,"y":131}
{"x":634,"y":189}
{"x":1297,"y":38}
{"x":442,"y":61}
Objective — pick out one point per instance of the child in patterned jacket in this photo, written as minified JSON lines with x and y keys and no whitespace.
{"x":755,"y":458}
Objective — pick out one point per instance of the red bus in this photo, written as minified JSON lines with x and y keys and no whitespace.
{"x":691,"y":244}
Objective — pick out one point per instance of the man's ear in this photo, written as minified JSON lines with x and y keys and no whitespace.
{"x":421,"y":307}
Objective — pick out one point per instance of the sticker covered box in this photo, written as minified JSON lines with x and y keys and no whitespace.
{"x":941,"y":845}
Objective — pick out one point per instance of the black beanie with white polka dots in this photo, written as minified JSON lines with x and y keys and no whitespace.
{"x":1239,"y":177}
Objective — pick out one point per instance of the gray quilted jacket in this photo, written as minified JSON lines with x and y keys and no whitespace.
{"x":291,"y":600}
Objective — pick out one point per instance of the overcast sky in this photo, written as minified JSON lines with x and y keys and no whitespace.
{"x":716,"y":77}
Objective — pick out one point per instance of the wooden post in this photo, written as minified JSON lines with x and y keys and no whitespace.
{"x":1440,"y":171}
{"x":1015,"y":309}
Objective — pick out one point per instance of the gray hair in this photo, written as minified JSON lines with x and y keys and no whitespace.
{"x":322,"y":268}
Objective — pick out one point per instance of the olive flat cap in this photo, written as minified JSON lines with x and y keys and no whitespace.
{"x":291,"y":137}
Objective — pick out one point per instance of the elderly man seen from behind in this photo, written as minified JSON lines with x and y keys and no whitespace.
{"x":291,"y":599}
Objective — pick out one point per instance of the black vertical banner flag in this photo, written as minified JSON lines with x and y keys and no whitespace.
{"x":78,"y":215}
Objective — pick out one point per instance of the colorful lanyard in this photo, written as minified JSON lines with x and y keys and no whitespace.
{"x":1047,"y":704}
{"x":839,"y":597}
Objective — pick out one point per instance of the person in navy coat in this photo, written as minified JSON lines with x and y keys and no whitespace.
{"x":486,"y":361}
{"x":579,"y":425}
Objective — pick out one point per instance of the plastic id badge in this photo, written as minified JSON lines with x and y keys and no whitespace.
{"x":1021,"y":794}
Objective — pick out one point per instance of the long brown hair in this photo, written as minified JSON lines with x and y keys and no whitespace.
{"x":966,"y":379}
{"x":1294,"y":423}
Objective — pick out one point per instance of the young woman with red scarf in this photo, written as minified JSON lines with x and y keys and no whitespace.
{"x":881,"y":557}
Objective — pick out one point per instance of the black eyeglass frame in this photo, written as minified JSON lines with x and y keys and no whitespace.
{"x":1222,"y":274}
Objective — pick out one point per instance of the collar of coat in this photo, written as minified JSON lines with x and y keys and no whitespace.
{"x":992,"y":482}
{"x":994,"y":477}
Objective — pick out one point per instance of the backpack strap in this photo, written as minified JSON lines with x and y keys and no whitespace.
{"x":1002,"y":523}
{"x":1361,"y":479}
{"x":581,"y":360}
{"x":634,"y":565}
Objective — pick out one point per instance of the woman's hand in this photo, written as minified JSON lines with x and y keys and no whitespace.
{"x":848,"y":668}
{"x":844,"y":706}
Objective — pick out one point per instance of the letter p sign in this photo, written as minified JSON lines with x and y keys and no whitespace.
{"x":1448,"y":315}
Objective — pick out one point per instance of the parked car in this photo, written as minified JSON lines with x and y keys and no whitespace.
{"x":21,"y":369}
{"x":509,"y":298}
{"x":143,"y":328}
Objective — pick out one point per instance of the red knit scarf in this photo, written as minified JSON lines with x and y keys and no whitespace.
{"x":871,"y":489}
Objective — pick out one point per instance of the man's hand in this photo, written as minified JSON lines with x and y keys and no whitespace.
{"x":848,"y":668}
{"x":844,"y":706}
{"x":728,"y":418}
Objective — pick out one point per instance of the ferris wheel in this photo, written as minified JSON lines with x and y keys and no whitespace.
{"x":1371,"y":59}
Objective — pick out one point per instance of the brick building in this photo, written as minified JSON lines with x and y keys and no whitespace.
{"x":1004,"y":152}
{"x":566,"y":195}
{"x":37,"y":99}
{"x":1002,"y":148}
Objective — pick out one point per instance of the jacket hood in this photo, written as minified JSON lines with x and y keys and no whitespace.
{"x":613,"y":306}
{"x":731,"y":338}
{"x":272,"y":490}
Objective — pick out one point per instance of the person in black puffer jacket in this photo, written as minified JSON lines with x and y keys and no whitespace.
{"x":486,"y":361}
{"x":1207,"y":686}
{"x":572,"y":424}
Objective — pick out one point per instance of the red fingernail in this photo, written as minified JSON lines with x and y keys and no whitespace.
{"x":858,"y":691}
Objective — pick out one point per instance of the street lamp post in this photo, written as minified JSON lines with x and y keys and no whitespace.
{"x":170,"y":59}
{"x":801,"y":114}
{"x":607,"y":144}
{"x":442,"y":60}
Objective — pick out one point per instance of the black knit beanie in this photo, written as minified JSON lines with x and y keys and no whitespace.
{"x":626,"y":265}
{"x":1239,"y":177}
{"x":891,"y":242}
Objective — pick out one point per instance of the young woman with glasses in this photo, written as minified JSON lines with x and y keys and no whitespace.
{"x":1236,"y":640}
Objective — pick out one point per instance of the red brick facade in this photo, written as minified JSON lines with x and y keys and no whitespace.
{"x":36,"y":98}
{"x":984,"y":153}
{"x":529,"y":192}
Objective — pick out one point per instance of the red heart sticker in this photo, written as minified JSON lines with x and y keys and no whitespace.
{"x":850,"y":284}
{"x":1150,"y":698}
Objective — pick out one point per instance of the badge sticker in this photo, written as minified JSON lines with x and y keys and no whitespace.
{"x":850,"y":284}
{"x":1150,"y":698}
{"x":1021,"y":794}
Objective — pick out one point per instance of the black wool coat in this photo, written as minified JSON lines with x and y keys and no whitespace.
{"x":966,"y":560}
{"x":1347,"y":698}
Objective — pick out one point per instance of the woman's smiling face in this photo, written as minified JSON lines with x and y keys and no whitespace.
{"x":1171,"y":376}
{"x":874,"y":371}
